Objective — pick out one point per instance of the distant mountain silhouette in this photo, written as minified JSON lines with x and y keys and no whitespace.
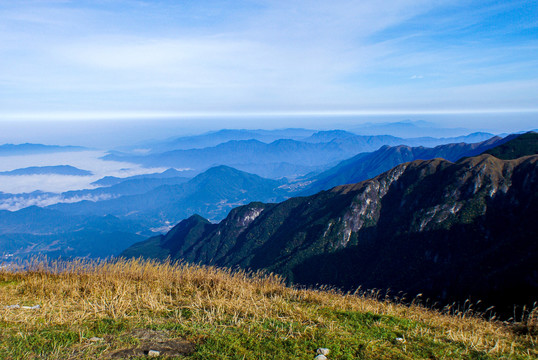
{"x":214,"y":138}
{"x":113,"y":180}
{"x":36,"y":231}
{"x":48,"y":170}
{"x":327,"y":136}
{"x":407,"y":128}
{"x":299,"y":157}
{"x":28,"y":149}
{"x":367,"y":165}
{"x":133,"y":210}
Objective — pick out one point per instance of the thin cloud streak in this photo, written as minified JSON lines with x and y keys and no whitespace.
{"x":61,"y":116}
{"x":248,"y":57}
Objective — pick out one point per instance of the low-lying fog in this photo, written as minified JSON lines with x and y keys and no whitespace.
{"x":85,"y":160}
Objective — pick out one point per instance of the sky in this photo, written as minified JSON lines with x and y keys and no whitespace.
{"x":126,"y":59}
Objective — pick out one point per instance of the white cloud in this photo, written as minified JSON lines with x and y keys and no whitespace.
{"x":283,"y":54}
{"x":87,"y":160}
{"x":245,"y":56}
{"x":15,"y":202}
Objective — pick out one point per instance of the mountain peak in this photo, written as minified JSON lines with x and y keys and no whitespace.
{"x":219,"y":172}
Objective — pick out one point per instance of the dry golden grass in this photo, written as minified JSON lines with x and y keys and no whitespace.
{"x":152,"y":293}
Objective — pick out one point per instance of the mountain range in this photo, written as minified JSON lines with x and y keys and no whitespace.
{"x":212,"y":193}
{"x":37,"y":231}
{"x":451,"y":231}
{"x":214,"y":138}
{"x":283,"y":157}
{"x":407,"y":128}
{"x":367,"y":165}
{"x":165,"y":197}
{"x":518,"y":146}
{"x":155,"y":201}
{"x":128,"y":211}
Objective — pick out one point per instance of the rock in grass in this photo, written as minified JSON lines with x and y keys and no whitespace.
{"x":35,"y":307}
{"x":323,"y":351}
{"x":154,"y":353}
{"x":320,"y":357}
{"x":17,"y":306}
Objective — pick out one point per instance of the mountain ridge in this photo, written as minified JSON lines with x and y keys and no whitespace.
{"x":452,"y":231}
{"x":367,"y":165}
{"x":306,"y":156}
{"x":48,"y":170}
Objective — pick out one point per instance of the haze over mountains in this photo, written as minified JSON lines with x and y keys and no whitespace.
{"x":432,"y":206}
{"x":285,"y":157}
{"x":163,"y":200}
{"x":28,"y":149}
{"x":141,"y":205}
{"x":401,"y":129}
{"x":451,"y":231}
{"x":157,"y":201}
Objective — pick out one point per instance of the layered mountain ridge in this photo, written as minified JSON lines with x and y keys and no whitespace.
{"x":451,"y":231}
{"x":282,"y":157}
{"x":367,"y":165}
{"x":144,"y":205}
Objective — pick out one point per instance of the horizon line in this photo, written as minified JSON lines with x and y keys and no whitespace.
{"x":140,"y":115}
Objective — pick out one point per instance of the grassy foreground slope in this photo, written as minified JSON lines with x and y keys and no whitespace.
{"x":126,"y":308}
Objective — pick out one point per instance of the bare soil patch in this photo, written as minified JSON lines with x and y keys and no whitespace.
{"x":156,"y":341}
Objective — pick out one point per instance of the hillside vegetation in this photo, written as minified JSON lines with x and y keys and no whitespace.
{"x":519,"y":146}
{"x":125,"y":309}
{"x":451,"y":231}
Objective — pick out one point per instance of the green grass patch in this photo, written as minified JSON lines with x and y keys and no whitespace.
{"x":107,"y":326}
{"x":52,"y":340}
{"x":349,"y":335}
{"x":5,"y":283}
{"x":57,"y":341}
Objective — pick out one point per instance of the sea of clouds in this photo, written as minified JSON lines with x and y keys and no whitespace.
{"x":43,"y":190}
{"x":16,"y":202}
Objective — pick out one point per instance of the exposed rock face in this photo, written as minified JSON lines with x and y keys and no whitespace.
{"x":451,"y":231}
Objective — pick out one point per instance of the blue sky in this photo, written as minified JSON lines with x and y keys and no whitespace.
{"x":104,"y":59}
